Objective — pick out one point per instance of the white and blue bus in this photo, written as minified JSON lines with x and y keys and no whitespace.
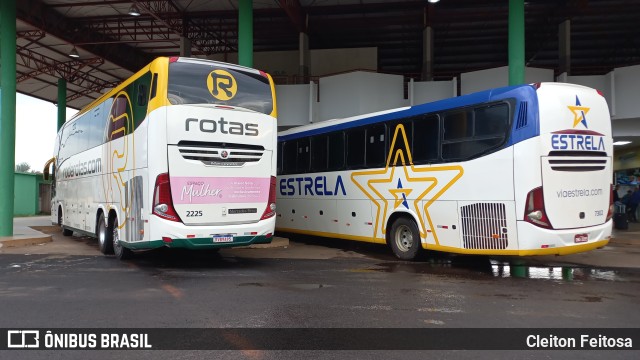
{"x":181,"y":154}
{"x":521,"y":170}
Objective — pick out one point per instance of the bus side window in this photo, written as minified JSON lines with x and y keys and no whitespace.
{"x":396,"y":138}
{"x":355,"y":148}
{"x":279,"y":158}
{"x":427,"y":138}
{"x":319,"y":153}
{"x":336,"y":151}
{"x":458,"y":125}
{"x":154,"y":86}
{"x":491,"y":126}
{"x":376,"y":145}
{"x":142,"y":95}
{"x":64,"y":148}
{"x":458,"y":135}
{"x":289,"y":149}
{"x":492,"y":120}
{"x":304,"y":156}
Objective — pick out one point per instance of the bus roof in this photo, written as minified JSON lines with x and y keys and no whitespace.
{"x":397,"y":113}
{"x":146,"y":68}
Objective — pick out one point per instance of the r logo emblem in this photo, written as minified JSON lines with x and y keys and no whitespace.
{"x":222,"y":85}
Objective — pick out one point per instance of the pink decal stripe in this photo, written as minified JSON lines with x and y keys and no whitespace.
{"x":219,"y":190}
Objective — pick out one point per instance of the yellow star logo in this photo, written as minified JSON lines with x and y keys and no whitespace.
{"x":404,"y":194}
{"x":579,"y":113}
{"x":428,"y":183}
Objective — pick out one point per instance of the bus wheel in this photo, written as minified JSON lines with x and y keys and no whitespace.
{"x":404,"y":239}
{"x":105,"y":237}
{"x":121,"y":252}
{"x":65,"y":232}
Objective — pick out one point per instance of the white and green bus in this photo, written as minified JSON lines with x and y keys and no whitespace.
{"x":181,"y":154}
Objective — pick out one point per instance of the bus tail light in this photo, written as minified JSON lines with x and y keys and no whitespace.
{"x":271,"y":204}
{"x":534,"y":209}
{"x":162,"y":202}
{"x":611,"y":205}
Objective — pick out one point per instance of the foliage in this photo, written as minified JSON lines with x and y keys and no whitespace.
{"x":24,"y":167}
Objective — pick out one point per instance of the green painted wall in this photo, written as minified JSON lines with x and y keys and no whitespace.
{"x":27,"y":191}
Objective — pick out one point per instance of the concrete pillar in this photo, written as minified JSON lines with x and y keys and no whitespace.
{"x":62,"y":102}
{"x":427,"y":53}
{"x":305,"y":59}
{"x":516,"y":42}
{"x":245,"y":33}
{"x":564,"y":44}
{"x":7,"y":114}
{"x":185,"y":46}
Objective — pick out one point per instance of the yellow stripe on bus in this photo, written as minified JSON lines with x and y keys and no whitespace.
{"x":334,"y":235}
{"x":564,"y":250}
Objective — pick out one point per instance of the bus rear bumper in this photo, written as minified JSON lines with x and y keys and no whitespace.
{"x":177,"y":235}
{"x":199,"y":243}
{"x":533,"y":240}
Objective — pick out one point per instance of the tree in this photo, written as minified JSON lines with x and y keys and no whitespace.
{"x":23,"y":167}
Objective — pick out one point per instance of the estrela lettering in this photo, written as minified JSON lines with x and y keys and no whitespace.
{"x":577,"y":142}
{"x":317,"y":186}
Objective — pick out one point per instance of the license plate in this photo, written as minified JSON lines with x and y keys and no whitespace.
{"x":223,"y":239}
{"x":581,"y":238}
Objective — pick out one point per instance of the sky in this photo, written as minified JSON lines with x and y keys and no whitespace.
{"x":36,"y":129}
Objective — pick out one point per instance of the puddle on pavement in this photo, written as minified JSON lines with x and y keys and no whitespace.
{"x":482,"y":268}
{"x":311,"y":286}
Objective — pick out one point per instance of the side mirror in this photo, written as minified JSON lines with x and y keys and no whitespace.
{"x":49,"y":163}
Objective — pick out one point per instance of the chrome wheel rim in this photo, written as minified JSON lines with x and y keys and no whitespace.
{"x":403,"y":238}
{"x":116,"y":238}
{"x":102,"y":233}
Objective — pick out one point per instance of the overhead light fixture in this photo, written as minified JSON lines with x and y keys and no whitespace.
{"x":622,"y":142}
{"x":433,"y":1}
{"x":133,"y":10}
{"x":74,"y":53}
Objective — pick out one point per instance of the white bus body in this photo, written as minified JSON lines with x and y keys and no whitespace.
{"x":180,"y":155}
{"x":522,"y":170}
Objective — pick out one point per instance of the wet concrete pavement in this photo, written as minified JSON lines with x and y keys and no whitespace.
{"x":318,"y":284}
{"x":623,"y":251}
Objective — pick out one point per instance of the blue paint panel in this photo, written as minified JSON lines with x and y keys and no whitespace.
{"x":525,"y":93}
{"x":520,"y":93}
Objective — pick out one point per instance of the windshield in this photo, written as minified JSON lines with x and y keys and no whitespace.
{"x":213,"y":83}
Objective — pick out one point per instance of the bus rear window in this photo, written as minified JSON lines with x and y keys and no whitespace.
{"x":210,"y":83}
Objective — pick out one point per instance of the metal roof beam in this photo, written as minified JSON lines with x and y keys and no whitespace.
{"x":201,"y":37}
{"x":70,"y":70}
{"x":31,"y":35}
{"x":53,"y":84}
{"x":41,"y":64}
{"x":43,"y":17}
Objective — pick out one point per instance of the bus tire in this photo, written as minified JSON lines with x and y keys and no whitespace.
{"x":105,"y":237}
{"x":404,"y":239}
{"x":65,"y":231}
{"x":120,"y":251}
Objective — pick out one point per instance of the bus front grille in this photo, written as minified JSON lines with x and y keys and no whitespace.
{"x":220,"y":154}
{"x":484,"y":226}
